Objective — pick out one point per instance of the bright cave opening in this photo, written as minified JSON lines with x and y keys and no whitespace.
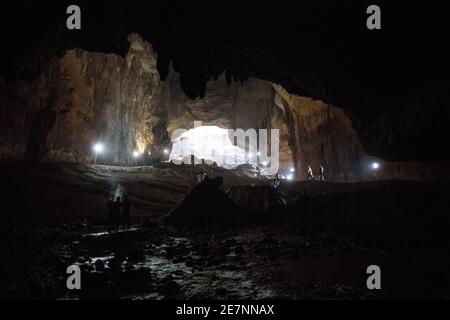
{"x":209,"y":144}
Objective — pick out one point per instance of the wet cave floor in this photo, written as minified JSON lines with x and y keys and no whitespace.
{"x":402,"y":227}
{"x":154,"y":262}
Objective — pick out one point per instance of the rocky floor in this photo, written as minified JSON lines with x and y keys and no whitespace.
{"x":157,"y":262}
{"x":391,"y":224}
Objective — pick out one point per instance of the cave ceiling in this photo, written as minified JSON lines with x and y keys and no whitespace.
{"x":393,"y":82}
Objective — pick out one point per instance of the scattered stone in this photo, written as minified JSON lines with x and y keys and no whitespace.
{"x":231,"y":267}
{"x":170,"y":288}
{"x":179,"y":260}
{"x":221,"y":292}
{"x":239,"y":249}
{"x":189,"y":262}
{"x":99,"y":265}
{"x":204,"y":251}
{"x":178,"y":273}
{"x":115,"y":265}
{"x":135,"y":255}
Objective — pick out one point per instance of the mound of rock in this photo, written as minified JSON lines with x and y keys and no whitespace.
{"x":205,"y":205}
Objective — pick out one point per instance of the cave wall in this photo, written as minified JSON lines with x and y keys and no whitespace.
{"x":79,"y":99}
{"x":322,"y":134}
{"x":83,"y":97}
{"x":247,"y":105}
{"x":394,"y":82}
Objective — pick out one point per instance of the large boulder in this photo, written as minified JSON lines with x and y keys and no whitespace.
{"x":205,"y":205}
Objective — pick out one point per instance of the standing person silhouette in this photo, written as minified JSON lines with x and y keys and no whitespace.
{"x":321,"y":176}
{"x":310,"y":173}
{"x":116,"y":210}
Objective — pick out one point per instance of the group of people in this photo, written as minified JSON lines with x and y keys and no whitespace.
{"x":320,"y":176}
{"x":119,"y":213}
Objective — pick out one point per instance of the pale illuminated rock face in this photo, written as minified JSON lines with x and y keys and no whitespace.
{"x":322,"y":134}
{"x":82,"y":98}
{"x":100,"y":97}
{"x":85,"y":97}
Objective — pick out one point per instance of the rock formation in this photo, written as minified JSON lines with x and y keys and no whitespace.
{"x":84,"y":97}
{"x":393,"y":84}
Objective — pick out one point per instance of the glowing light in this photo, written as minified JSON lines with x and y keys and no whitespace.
{"x":292,"y":170}
{"x":149,"y":153}
{"x":166,"y":151}
{"x":210,"y":143}
{"x":258,"y":153}
{"x":136,"y":154}
{"x":375,"y":165}
{"x":98,"y":148}
{"x":141,"y":142}
{"x":250,"y":155}
{"x":264,"y":163}
{"x":290,"y":177}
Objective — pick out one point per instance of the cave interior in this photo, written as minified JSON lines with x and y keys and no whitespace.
{"x":90,"y":115}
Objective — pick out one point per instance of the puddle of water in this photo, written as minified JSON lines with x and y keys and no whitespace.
{"x":105,"y":233}
{"x":198,"y":281}
{"x":161,"y":266}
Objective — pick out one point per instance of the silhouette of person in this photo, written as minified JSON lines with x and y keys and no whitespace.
{"x":116,"y":209}
{"x":276,"y":182}
{"x":321,"y":177}
{"x":126,"y":211}
{"x":310,"y":173}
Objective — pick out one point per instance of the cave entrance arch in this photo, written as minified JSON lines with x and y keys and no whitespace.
{"x":209,"y":144}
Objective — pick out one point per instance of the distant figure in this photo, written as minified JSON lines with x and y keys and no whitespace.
{"x":321,"y":177}
{"x":115,"y":213}
{"x":200,"y":177}
{"x":126,"y":212}
{"x":276,"y":182}
{"x":310,"y":173}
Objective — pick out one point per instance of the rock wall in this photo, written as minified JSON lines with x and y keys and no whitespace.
{"x":248,"y":105}
{"x":86,"y":97}
{"x":321,"y":134}
{"x":80,"y":99}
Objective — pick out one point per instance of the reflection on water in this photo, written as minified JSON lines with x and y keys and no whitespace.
{"x":104,"y":233}
{"x":166,"y":261}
